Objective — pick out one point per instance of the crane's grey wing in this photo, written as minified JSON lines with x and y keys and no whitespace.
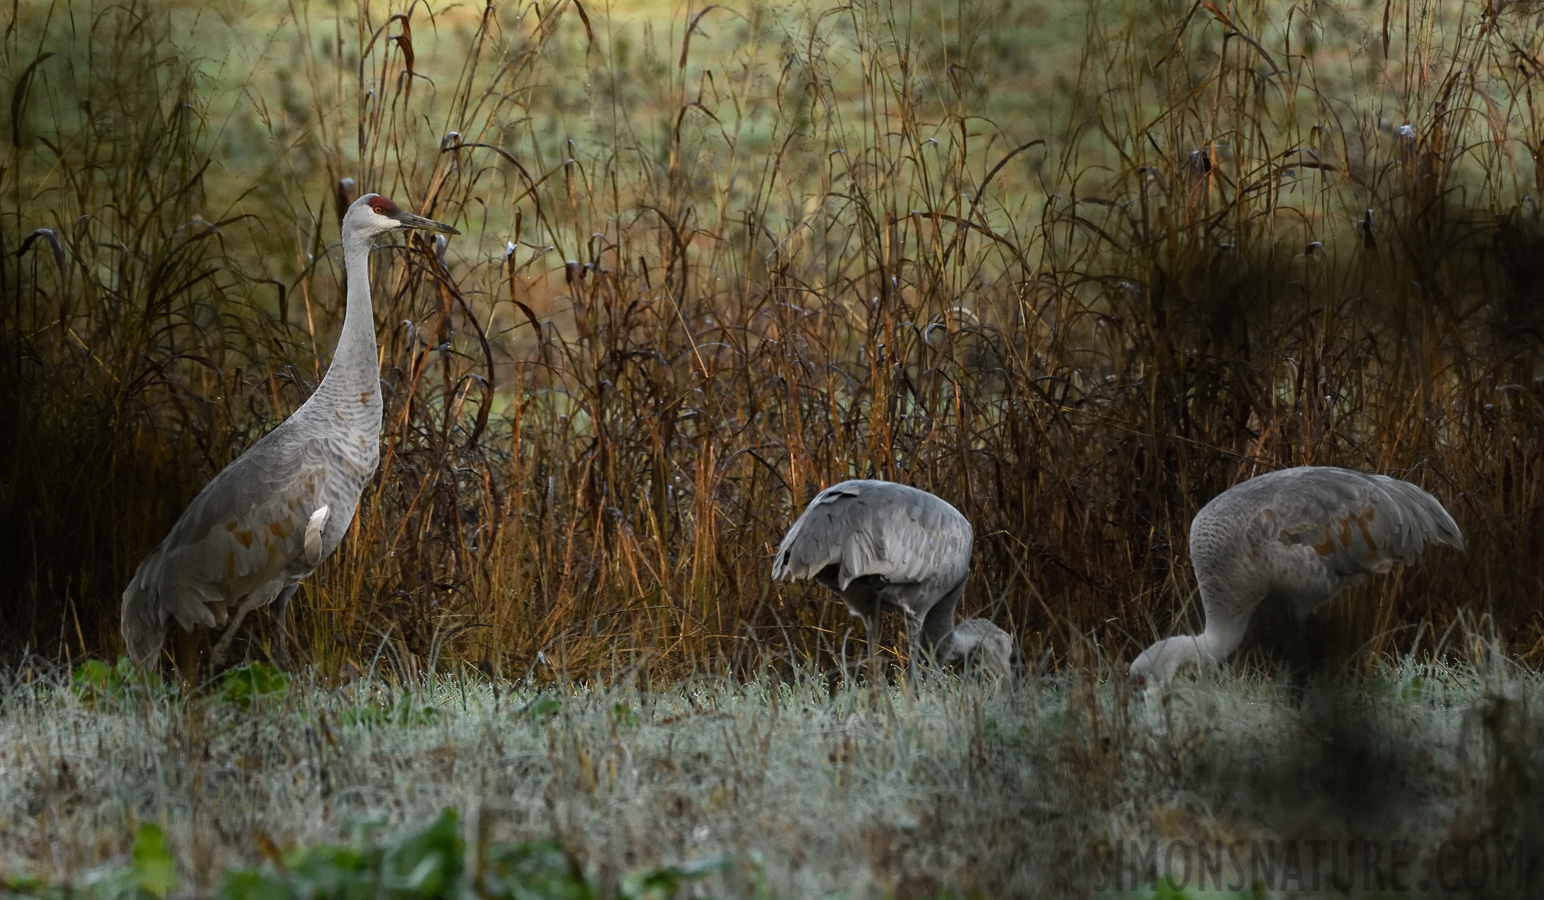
{"x":1358,"y":522}
{"x":876,"y":528}
{"x":1323,"y":528}
{"x":245,"y":529}
{"x":815,"y":539}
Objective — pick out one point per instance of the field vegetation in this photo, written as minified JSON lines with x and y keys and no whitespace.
{"x":1075,"y":268}
{"x":264,"y":786}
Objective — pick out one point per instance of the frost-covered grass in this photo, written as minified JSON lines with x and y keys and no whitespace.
{"x":782,"y":788}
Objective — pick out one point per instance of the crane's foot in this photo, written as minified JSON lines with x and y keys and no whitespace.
{"x":217,"y":655}
{"x":1302,"y":663}
{"x":278,"y":653}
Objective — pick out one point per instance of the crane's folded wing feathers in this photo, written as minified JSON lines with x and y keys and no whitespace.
{"x":813,"y":541}
{"x":1355,"y":522}
{"x":244,"y":529}
{"x":875,"y":528}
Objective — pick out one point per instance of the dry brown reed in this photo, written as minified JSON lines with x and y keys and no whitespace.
{"x":754,"y":252}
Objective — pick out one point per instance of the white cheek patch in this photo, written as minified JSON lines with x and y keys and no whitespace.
{"x":313,"y":546}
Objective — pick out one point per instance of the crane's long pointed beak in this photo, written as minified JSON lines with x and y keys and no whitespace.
{"x":408,"y":220}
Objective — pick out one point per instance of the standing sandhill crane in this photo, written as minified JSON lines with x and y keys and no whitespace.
{"x":1297,"y":536}
{"x":267,"y":520}
{"x":884,"y":546}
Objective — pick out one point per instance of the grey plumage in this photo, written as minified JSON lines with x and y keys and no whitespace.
{"x":886,"y":546}
{"x":267,"y":520}
{"x":1298,"y":536}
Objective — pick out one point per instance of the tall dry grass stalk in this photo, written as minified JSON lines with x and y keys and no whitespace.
{"x":714,"y":264}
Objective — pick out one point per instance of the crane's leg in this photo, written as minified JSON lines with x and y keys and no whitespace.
{"x":864,"y":603}
{"x":260,"y":597}
{"x":1300,"y":660}
{"x":217,"y":655}
{"x":280,"y":652}
{"x":919,"y":648}
{"x":185,"y":654}
{"x":873,"y":654}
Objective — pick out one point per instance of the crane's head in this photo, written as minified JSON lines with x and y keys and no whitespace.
{"x":373,"y":214}
{"x":1158,"y":664}
{"x":978,"y":645}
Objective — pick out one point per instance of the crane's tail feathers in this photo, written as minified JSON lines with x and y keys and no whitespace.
{"x":313,"y":545}
{"x":153,"y":599}
{"x":144,"y":626}
{"x":1429,"y":522}
{"x":780,"y":562}
{"x":801,"y":555}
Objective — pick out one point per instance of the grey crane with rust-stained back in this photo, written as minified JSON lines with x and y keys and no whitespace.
{"x":886,"y":546}
{"x":1299,"y":536}
{"x":267,"y":520}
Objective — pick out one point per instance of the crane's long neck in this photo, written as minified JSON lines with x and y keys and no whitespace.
{"x":353,"y":379}
{"x":980,"y":645}
{"x":1226,"y":618}
{"x":953,"y":646}
{"x":1213,"y":645}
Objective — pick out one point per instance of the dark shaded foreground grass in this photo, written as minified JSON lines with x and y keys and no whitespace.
{"x":260,"y":786}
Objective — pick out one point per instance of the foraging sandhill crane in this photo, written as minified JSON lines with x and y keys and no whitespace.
{"x":267,"y":520}
{"x":1297,"y":536}
{"x":886,"y":546}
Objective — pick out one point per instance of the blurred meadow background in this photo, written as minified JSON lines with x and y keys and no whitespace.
{"x":1076,"y":268}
